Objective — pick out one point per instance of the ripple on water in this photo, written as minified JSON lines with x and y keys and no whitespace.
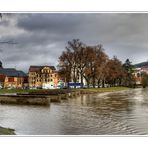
{"x":116,"y":113}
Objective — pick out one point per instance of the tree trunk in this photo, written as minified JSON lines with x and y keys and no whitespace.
{"x":74,"y":77}
{"x":87,"y":85}
{"x":99,"y":83}
{"x":88,"y":82}
{"x":103,"y":83}
{"x":93,"y":81}
{"x":81,"y":80}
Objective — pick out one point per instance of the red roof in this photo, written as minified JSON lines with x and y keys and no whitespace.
{"x":39,"y":68}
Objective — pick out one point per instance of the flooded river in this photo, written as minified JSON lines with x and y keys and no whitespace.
{"x":118,"y":113}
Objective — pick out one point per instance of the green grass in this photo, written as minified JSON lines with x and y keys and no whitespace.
{"x":21,"y":90}
{"x":58,"y":91}
{"x":12,"y":91}
{"x":6,"y":131}
{"x":109,"y":89}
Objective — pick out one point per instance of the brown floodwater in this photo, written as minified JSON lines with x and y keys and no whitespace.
{"x":117,"y":113}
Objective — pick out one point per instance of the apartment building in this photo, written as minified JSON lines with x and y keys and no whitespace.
{"x":43,"y":77}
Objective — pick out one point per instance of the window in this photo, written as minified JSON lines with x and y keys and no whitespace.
{"x":138,"y":75}
{"x":11,"y":79}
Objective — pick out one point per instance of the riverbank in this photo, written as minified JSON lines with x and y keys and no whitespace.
{"x":45,"y":97}
{"x":31,"y":91}
{"x":6,"y":131}
{"x":103,"y":90}
{"x":62,"y":91}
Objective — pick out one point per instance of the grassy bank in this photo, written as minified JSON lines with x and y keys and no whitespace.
{"x":2,"y":91}
{"x":62,"y":91}
{"x":101,"y":90}
{"x":6,"y":131}
{"x":58,"y":91}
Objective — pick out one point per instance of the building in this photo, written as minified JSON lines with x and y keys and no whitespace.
{"x":43,"y":77}
{"x":2,"y":80}
{"x":138,"y":74}
{"x":12,"y":78}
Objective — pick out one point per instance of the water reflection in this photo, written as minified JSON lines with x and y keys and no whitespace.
{"x":106,"y":103}
{"x":123,"y":112}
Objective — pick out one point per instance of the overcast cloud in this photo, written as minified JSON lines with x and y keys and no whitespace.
{"x":41,"y":38}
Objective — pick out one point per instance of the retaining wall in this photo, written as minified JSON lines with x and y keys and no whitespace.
{"x":24,"y":99}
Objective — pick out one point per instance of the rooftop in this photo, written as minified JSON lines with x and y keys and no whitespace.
{"x":12,"y":72}
{"x":39,"y":68}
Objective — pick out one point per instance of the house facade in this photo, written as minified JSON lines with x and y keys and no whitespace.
{"x":12,"y":78}
{"x":138,"y":74}
{"x":45,"y":77}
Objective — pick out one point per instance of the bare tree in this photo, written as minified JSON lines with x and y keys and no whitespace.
{"x":70,"y":59}
{"x":91,"y":63}
{"x":116,"y":72}
{"x":101,"y":65}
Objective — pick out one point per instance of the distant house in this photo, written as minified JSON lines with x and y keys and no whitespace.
{"x":43,"y":77}
{"x":138,"y":73}
{"x":12,"y":78}
{"x":2,"y":80}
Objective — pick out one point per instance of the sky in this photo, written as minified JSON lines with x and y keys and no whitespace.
{"x":40,"y":38}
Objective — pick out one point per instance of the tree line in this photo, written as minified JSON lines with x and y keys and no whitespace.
{"x":80,"y":61}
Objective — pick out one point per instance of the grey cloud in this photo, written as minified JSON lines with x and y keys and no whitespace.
{"x":51,"y":23}
{"x":42,"y":37}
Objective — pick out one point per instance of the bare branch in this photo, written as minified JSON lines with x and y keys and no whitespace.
{"x":8,"y":42}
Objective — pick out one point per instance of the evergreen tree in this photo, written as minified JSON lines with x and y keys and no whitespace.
{"x":129,"y":69}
